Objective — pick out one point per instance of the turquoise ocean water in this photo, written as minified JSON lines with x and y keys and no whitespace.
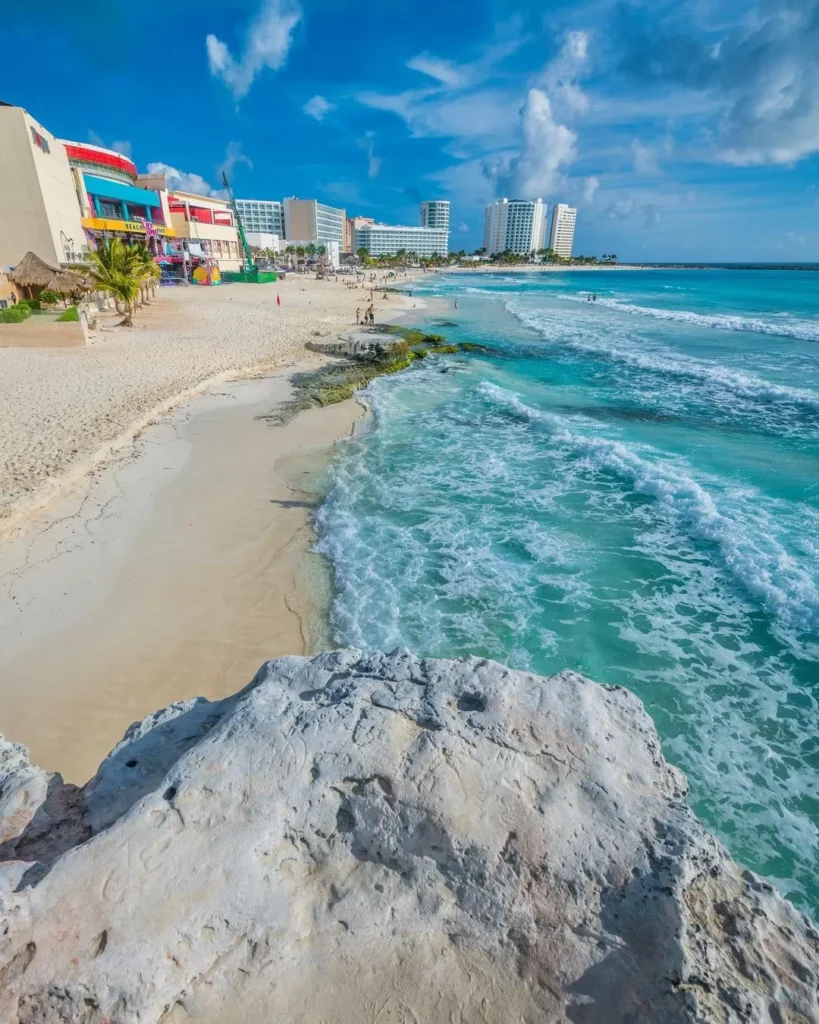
{"x":628,"y":488}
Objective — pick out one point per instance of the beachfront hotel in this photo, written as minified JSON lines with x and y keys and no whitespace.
{"x":261,"y":216}
{"x":38,"y":198}
{"x":309,"y":222}
{"x":435,"y":214}
{"x":388,"y":240}
{"x":515,"y":225}
{"x":561,"y":236}
{"x":353,"y":224}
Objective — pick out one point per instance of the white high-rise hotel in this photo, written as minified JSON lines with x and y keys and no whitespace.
{"x":516,"y":225}
{"x":561,"y":236}
{"x":435,"y":214}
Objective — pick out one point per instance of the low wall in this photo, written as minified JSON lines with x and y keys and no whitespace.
{"x":31,"y":334}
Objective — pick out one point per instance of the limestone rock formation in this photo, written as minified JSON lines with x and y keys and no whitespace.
{"x":385,"y":839}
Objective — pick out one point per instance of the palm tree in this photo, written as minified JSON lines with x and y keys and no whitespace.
{"x":116,"y":269}
{"x":145,"y":268}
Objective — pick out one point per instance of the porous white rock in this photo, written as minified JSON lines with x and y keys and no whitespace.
{"x":385,"y":839}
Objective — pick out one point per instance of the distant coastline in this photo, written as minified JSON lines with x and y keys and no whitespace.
{"x":557,"y":268}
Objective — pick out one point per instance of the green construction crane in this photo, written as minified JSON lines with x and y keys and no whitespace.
{"x":248,"y":266}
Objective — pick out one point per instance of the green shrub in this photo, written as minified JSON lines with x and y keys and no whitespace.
{"x":29,"y":303}
{"x":50,"y":298}
{"x":70,"y":315}
{"x":16,"y":315}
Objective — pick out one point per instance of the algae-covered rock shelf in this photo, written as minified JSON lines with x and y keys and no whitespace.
{"x":364,"y":355}
{"x":358,"y":838}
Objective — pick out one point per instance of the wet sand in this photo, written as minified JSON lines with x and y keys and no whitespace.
{"x":175,"y":572}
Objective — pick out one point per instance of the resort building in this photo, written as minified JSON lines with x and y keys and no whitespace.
{"x":261,"y":216}
{"x":561,"y":237}
{"x":308,"y":222}
{"x":263,"y":240}
{"x":515,"y":225}
{"x":351,"y":225}
{"x":388,"y":240}
{"x":435,"y":214}
{"x":206,"y":229}
{"x":114,"y":201}
{"x":38,"y":199}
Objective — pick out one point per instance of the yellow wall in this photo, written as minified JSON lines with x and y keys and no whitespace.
{"x":7,"y":290}
{"x":39,"y":210}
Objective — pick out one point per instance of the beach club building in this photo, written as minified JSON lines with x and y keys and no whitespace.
{"x":38,"y":198}
{"x":205,"y":229}
{"x":114,"y":202}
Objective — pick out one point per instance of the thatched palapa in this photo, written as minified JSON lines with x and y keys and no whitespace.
{"x":34,"y":274}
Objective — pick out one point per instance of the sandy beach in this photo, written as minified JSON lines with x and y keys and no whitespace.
{"x":183,"y":561}
{"x":62,"y":411}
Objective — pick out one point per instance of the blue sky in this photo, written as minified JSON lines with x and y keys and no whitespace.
{"x":685,"y":130}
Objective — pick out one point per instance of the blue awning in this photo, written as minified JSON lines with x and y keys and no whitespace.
{"x":105,"y":188}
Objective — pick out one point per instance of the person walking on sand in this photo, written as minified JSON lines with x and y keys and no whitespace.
{"x":279,"y":301}
{"x":358,"y":315}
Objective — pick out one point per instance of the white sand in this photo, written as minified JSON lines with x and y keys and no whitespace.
{"x":62,"y":411}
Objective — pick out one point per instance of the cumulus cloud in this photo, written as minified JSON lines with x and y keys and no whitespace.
{"x":182,"y":181}
{"x":318,"y":107}
{"x":559,"y":78}
{"x":548,"y":147}
{"x":764,"y":73}
{"x":268,"y":42}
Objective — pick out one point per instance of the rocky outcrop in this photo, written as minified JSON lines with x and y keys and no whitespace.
{"x":385,"y":839}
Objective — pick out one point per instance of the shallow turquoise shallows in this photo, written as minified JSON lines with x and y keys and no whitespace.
{"x":628,"y":488}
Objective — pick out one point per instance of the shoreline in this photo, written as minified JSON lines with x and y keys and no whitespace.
{"x":181,"y":569}
{"x":174,"y":566}
{"x":186,"y":343}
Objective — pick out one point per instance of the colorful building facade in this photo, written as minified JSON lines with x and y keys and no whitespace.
{"x":206,"y":229}
{"x":114,"y":202}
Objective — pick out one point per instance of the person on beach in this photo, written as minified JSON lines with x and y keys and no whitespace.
{"x":456,"y":303}
{"x":279,"y":301}
{"x":358,"y":315}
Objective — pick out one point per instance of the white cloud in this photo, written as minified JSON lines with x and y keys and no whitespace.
{"x":559,"y":79}
{"x":463,"y":227}
{"x":645,"y":158}
{"x":119,"y":145}
{"x":234,"y":156}
{"x":793,"y":237}
{"x":433,"y":113}
{"x":443,"y":71}
{"x":373,"y":162}
{"x":318,"y":107}
{"x":547,"y":148}
{"x":182,"y":181}
{"x":590,"y":187}
{"x":268,"y":42}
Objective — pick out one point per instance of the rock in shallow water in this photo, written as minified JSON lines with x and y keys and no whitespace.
{"x":381,"y":838}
